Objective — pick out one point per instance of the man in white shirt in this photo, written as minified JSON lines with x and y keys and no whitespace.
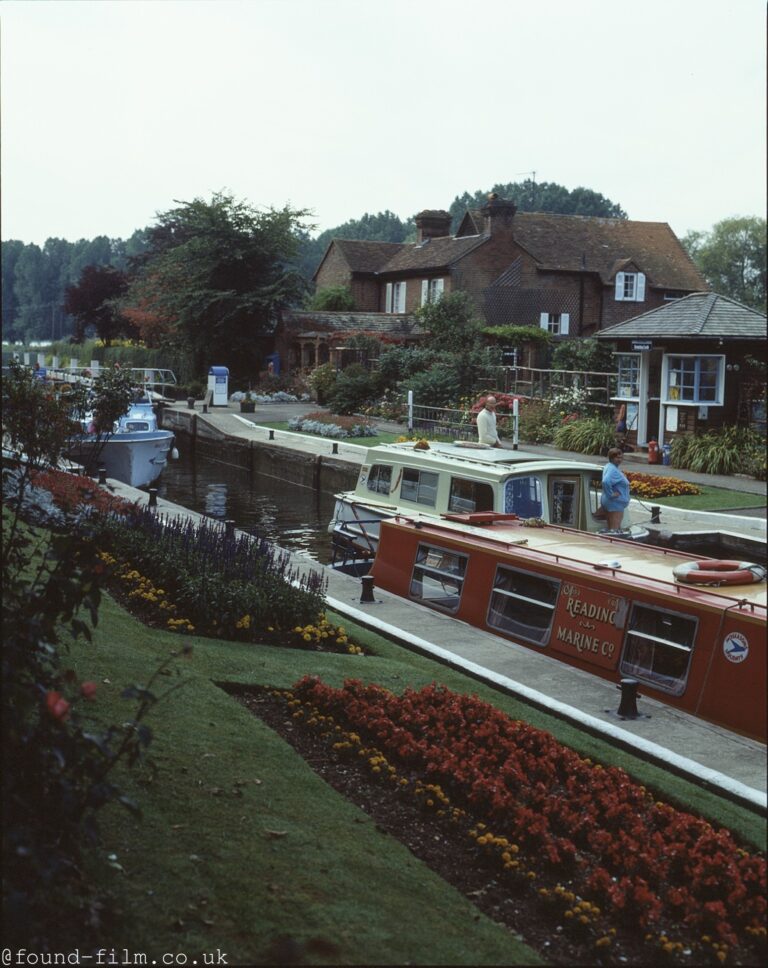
{"x":486,"y":424}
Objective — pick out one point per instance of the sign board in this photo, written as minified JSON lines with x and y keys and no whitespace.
{"x":641,"y":345}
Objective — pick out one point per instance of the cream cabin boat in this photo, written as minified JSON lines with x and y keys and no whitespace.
{"x":462,"y":478}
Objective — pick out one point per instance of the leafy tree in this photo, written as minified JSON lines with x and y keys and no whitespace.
{"x":219,"y":272}
{"x":517,"y":335}
{"x":451,"y":323}
{"x":531,"y":196}
{"x":732,"y":258}
{"x":92,"y":304}
{"x":332,"y":299}
{"x":11,"y":251}
{"x":583,"y":354}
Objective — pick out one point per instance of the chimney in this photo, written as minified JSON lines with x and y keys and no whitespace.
{"x":498,"y":214}
{"x":432,"y":224}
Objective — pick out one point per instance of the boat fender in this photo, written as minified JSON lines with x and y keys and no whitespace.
{"x":715,"y":571}
{"x":174,"y":454}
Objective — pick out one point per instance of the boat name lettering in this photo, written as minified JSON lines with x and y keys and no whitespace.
{"x":575,"y":606}
{"x":585,"y":643}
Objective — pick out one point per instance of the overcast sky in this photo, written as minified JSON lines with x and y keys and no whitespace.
{"x":111,"y":110}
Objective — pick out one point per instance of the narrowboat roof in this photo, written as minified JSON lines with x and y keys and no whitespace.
{"x":617,"y":560}
{"x":479,"y":457}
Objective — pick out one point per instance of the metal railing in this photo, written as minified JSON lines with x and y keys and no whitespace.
{"x":536,"y":383}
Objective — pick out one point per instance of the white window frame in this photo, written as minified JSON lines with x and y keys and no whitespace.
{"x":635,"y":367}
{"x":630,"y":287}
{"x":432,"y":290}
{"x":667,"y":372}
{"x":394,"y":299}
{"x":558,"y":324}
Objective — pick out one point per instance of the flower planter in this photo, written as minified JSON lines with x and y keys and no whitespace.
{"x":247,"y":406}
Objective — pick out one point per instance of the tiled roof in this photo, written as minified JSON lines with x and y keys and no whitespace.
{"x":578,"y":242}
{"x":368,"y":256}
{"x":700,"y":315}
{"x":433,"y":254}
{"x":310,"y":323}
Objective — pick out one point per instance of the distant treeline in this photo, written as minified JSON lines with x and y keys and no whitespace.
{"x":35,"y":279}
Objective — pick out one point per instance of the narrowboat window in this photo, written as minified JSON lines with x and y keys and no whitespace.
{"x":466,"y":497}
{"x":380,"y":479}
{"x":522,"y":496}
{"x":523,"y":605}
{"x":438,"y":577}
{"x":658,"y":647}
{"x":565,"y":502}
{"x":420,"y":487}
{"x":136,"y":425}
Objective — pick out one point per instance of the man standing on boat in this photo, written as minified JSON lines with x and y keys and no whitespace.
{"x":615,"y":497}
{"x":486,"y":424}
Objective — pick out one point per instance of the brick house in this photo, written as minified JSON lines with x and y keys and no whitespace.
{"x":572,"y":275}
{"x":690,"y":366}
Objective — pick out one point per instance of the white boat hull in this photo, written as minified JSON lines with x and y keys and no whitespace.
{"x":137,"y":459}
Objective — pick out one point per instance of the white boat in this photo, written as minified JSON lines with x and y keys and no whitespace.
{"x":136,"y":451}
{"x":466,"y":481}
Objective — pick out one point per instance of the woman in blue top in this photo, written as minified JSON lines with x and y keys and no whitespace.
{"x":615,"y":497}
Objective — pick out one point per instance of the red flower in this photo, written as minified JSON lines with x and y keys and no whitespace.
{"x":88,"y":690}
{"x":57,"y":705}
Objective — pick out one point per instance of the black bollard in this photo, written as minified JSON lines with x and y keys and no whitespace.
{"x":366,"y":595}
{"x":655,"y":512}
{"x":102,"y":475}
{"x":628,"y":704}
{"x":153,"y":497}
{"x":335,"y":449}
{"x":271,"y":435}
{"x":205,"y":408}
{"x":190,"y":403}
{"x":229,"y":528}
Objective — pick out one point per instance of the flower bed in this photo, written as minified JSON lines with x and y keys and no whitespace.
{"x":590,"y":842}
{"x":651,"y":486}
{"x":328,"y":425}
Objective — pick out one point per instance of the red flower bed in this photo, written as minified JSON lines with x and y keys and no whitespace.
{"x":643,"y":861}
{"x":70,"y":490}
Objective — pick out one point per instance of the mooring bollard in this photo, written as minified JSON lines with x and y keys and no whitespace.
{"x":229,"y":528}
{"x":102,"y":475}
{"x":335,"y":448}
{"x":366,"y":595}
{"x":190,"y":403}
{"x":153,"y":497}
{"x":205,"y":408}
{"x":271,"y":435}
{"x":628,"y":704}
{"x":655,"y":512}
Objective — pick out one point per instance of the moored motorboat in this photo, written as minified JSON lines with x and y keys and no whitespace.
{"x":614,"y":608}
{"x":463,"y":478}
{"x":135,"y":452}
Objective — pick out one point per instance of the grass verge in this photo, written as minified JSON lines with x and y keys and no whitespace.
{"x":243,"y":848}
{"x":710,"y":499}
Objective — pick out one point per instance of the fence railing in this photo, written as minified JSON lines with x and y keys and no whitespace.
{"x":444,"y":420}
{"x":527,"y":381}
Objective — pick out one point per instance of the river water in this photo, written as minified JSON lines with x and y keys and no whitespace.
{"x":293,"y":517}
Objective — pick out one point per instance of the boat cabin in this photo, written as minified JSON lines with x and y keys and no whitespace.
{"x":609,"y":606}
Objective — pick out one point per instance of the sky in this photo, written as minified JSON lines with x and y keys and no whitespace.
{"x":113,"y":110}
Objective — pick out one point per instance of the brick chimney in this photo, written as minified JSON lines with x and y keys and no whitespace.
{"x":432,"y":224}
{"x":498,"y":215}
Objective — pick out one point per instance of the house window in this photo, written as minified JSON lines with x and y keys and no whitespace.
{"x":419,"y":487}
{"x":658,"y":647}
{"x":629,"y":375}
{"x":395,"y":298}
{"x":694,"y":379}
{"x":555,"y":323}
{"x":523,"y":605}
{"x":466,"y":497}
{"x":438,"y":577}
{"x":630,"y":287}
{"x":380,"y":479}
{"x":431,"y":290}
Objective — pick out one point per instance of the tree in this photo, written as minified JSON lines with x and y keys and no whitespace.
{"x":11,"y":251}
{"x":219,"y":272}
{"x":731,"y":256}
{"x":332,"y":299}
{"x":451,"y":323}
{"x":92,"y":302}
{"x":531,"y":196}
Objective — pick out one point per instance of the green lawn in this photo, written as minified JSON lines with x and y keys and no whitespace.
{"x":711,"y":499}
{"x":241,"y":844}
{"x":382,"y":437}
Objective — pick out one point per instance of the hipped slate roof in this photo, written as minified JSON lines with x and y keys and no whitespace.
{"x":702,"y":315}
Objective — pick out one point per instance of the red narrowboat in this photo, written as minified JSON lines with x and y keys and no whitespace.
{"x":691,"y":632}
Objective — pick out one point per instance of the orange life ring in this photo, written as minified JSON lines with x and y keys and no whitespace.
{"x":715,"y":571}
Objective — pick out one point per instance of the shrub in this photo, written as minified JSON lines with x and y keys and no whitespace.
{"x":725,"y":451}
{"x":332,"y":299}
{"x":439,"y":386}
{"x":537,"y":422}
{"x":322,"y":381}
{"x":590,"y":435}
{"x":353,"y":388}
{"x":325,"y":425}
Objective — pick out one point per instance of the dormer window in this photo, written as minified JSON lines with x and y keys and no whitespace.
{"x":630,"y":287}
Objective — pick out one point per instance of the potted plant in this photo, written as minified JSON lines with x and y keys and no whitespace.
{"x":247,"y":405}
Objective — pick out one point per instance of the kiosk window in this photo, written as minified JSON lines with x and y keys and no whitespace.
{"x":523,"y":605}
{"x":438,"y":577}
{"x":658,"y":647}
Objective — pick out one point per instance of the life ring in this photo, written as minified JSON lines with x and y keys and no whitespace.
{"x":719,"y":572}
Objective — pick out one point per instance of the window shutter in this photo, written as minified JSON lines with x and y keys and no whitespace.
{"x":640,"y":293}
{"x":400,"y":297}
{"x":544,"y":321}
{"x":619,"y":286}
{"x":565,"y":319}
{"x":388,"y":299}
{"x":424,"y":292}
